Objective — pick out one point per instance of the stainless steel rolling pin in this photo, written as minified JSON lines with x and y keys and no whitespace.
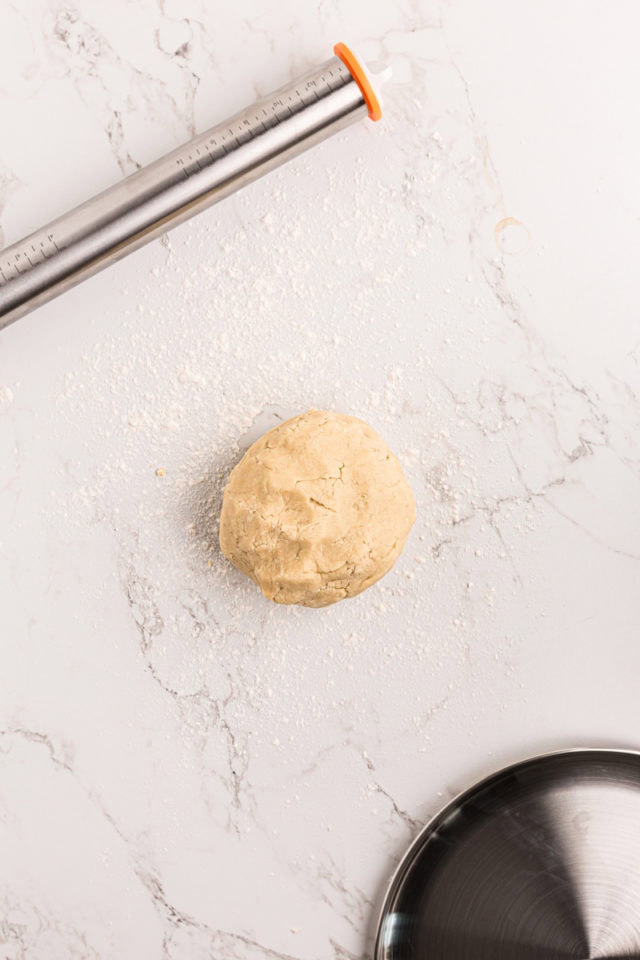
{"x":186,"y":181}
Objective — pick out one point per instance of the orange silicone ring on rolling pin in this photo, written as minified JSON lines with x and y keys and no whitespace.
{"x":357,"y":72}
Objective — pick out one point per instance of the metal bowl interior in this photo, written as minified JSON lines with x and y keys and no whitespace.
{"x":540,"y":860}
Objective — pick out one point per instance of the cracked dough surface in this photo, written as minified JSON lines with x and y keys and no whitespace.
{"x":317,"y":510}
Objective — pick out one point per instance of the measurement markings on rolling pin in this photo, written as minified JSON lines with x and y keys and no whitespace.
{"x":247,"y":129}
{"x":31,"y":254}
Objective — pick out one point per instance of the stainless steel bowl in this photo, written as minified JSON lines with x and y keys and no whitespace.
{"x":540,"y":860}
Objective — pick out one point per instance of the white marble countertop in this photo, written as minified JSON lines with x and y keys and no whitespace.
{"x":185,"y":770}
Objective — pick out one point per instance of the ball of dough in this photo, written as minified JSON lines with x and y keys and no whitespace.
{"x":317,"y":510}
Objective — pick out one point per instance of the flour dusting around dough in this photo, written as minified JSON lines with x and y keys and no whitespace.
{"x":242,"y":319}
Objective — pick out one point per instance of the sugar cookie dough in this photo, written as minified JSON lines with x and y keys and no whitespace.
{"x":317,"y":510}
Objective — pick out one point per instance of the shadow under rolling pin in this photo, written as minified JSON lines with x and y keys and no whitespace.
{"x":186,"y":181}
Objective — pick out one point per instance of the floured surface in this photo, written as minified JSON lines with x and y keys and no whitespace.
{"x":237,"y":779}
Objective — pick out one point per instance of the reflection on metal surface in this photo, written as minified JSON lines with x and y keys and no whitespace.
{"x":541,"y":860}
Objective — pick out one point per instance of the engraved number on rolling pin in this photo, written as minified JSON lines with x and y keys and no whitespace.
{"x":225,"y":140}
{"x":34,"y":251}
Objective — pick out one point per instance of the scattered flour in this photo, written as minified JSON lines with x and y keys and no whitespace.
{"x":282,"y":299}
